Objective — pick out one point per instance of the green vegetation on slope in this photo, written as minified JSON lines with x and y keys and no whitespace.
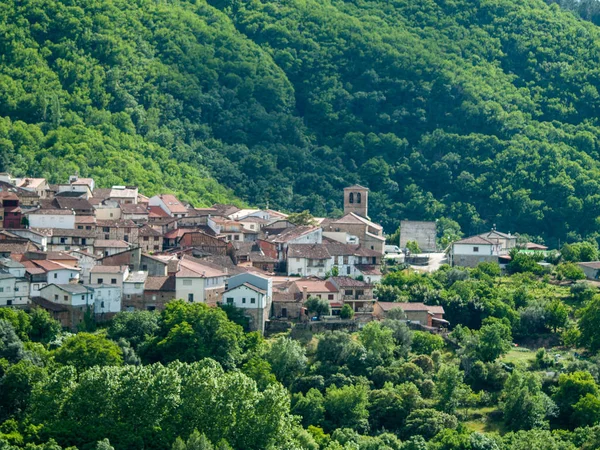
{"x":482,"y":112}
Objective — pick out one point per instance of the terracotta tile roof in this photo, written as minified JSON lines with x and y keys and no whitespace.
{"x":590,"y":265}
{"x":121,"y":223}
{"x":63,"y":232}
{"x":411,"y":307}
{"x":74,"y":203}
{"x":110,"y":243}
{"x":225,"y":210}
{"x":52,"y":212}
{"x":31,"y":183}
{"x":314,"y":285}
{"x":192,"y":267}
{"x":249,"y":286}
{"x":289,"y":234}
{"x":352,"y":218}
{"x":108,"y":269}
{"x":160,"y":284}
{"x":133,"y":208}
{"x":474,"y":240}
{"x":157,"y":211}
{"x":60,"y":256}
{"x":22,"y":247}
{"x":148,"y":231}
{"x":173,"y":204}
{"x":310,"y":251}
{"x":53,"y":265}
{"x":176,"y":233}
{"x":85,"y":219}
{"x":348,"y":282}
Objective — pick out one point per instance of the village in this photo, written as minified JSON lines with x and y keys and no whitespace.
{"x":75,"y":249}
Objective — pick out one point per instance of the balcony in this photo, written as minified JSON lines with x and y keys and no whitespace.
{"x":353,"y":298}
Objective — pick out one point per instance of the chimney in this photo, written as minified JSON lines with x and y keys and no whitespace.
{"x":304,"y":294}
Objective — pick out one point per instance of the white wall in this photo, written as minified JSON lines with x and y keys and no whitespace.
{"x":106,"y":213}
{"x":243,"y":292}
{"x":63,"y":276}
{"x":189,"y":285}
{"x":63,"y":221}
{"x":107,"y":299}
{"x":468,"y":249}
{"x":300,"y":266}
{"x":7,"y":290}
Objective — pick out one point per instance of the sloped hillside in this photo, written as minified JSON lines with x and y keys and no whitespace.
{"x":479,"y":111}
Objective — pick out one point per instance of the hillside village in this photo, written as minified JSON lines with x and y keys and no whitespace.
{"x":74,"y":249}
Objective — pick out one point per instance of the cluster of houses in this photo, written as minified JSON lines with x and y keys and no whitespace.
{"x":74,"y":248}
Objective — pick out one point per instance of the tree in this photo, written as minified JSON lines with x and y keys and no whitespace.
{"x":11,"y":347}
{"x":571,"y":389}
{"x":85,"y":350}
{"x":194,"y":331}
{"x":523,"y":403}
{"x":16,"y":386}
{"x":317,"y":306}
{"x":260,"y":371}
{"x":558,"y":314}
{"x":346,"y":407}
{"x":311,"y":407}
{"x":413,"y":247}
{"x":43,"y":327}
{"x":378,"y":341}
{"x":303,"y":218}
{"x":589,"y":322}
{"x":494,"y":339}
{"x":451,"y":389}
{"x":428,"y":422}
{"x":347,"y":313}
{"x":425,"y":343}
{"x":287,"y":358}
{"x":136,"y":327}
{"x":569,"y":271}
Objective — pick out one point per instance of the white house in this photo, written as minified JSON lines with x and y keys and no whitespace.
{"x":52,"y":218}
{"x":109,"y":247}
{"x":133,"y":286}
{"x":86,"y":262}
{"x":109,"y":275}
{"x":40,"y":239}
{"x":308,"y":259}
{"x":199,"y":282}
{"x":253,"y":294}
{"x":68,"y":294}
{"x":14,"y":291}
{"x":58,"y":273}
{"x":107,"y":298}
{"x":471,"y":251}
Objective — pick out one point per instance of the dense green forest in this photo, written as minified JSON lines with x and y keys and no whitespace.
{"x":484,"y":112}
{"x":191,"y":378}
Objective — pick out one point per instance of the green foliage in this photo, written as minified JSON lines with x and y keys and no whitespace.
{"x":346,"y":407}
{"x":429,"y":422}
{"x":318,"y":306}
{"x":135,"y":327}
{"x":413,"y":247}
{"x":589,"y":323}
{"x":424,"y":343}
{"x":569,"y":271}
{"x":43,"y":327}
{"x":494,"y":340}
{"x":571,"y":390}
{"x":347,"y":312}
{"x":303,"y":218}
{"x":85,"y":350}
{"x":192,"y":331}
{"x":287,"y":358}
{"x":524,"y":404}
{"x":580,"y":251}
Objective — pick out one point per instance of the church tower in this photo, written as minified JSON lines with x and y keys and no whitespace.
{"x":356,"y":200}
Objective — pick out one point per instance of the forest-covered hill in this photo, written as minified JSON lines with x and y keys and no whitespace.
{"x":480,"y":111}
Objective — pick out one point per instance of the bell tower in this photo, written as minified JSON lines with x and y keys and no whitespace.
{"x":356,"y":200}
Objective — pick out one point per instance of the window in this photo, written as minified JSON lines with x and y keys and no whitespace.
{"x":102,"y":305}
{"x":283,"y":312}
{"x":252,"y":300}
{"x":348,"y":292}
{"x":475,"y":249}
{"x":145,"y":267}
{"x":360,"y":292}
{"x":230,"y":300}
{"x":330,"y":297}
{"x":126,"y":238}
{"x":100,"y":280}
{"x":66,"y":298}
{"x":80,"y":227}
{"x":236,"y":237}
{"x":106,"y":237}
{"x":8,"y":302}
{"x":88,"y":227}
{"x":358,"y":197}
{"x":146,"y":238}
{"x":55,"y":276}
{"x":83,"y":297}
{"x":16,"y":289}
{"x":113,"y":281}
{"x":187,"y":282}
{"x":105,"y":229}
{"x":243,"y":299}
{"x":151,"y":308}
{"x":156,"y":238}
{"x":190,"y":297}
{"x":63,"y":240}
{"x":156,"y":247}
{"x":351,"y":199}
{"x":56,"y":297}
{"x":1,"y":289}
{"x":128,"y":296}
